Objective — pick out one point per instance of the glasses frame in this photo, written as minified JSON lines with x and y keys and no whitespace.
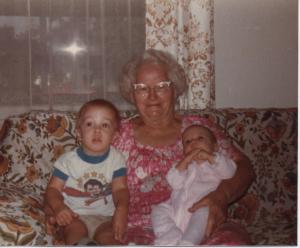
{"x":147,"y":88}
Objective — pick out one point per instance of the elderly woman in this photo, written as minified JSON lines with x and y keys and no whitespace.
{"x":150,"y":142}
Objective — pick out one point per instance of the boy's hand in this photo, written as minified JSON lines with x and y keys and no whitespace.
{"x":65,"y":216}
{"x":120,"y":223}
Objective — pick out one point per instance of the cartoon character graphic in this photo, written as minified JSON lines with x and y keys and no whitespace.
{"x":94,"y":190}
{"x":97,"y":191}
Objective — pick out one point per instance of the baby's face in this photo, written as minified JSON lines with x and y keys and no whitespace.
{"x":197,"y":137}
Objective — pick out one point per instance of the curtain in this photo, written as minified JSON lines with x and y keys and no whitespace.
{"x":57,"y":54}
{"x":185,"y":29}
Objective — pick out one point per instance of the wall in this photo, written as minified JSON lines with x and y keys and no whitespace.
{"x":256,"y":53}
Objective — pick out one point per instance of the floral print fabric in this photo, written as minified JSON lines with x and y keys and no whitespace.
{"x":268,"y":137}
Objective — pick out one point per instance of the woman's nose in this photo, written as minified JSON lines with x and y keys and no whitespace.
{"x":152,"y":93}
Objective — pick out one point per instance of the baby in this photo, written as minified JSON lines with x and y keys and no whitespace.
{"x":197,"y":174}
{"x":88,"y":188}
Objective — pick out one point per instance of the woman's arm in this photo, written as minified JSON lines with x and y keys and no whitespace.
{"x":236,"y":186}
{"x":227,"y":192}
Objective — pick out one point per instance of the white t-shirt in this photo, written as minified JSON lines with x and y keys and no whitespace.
{"x":88,"y":180}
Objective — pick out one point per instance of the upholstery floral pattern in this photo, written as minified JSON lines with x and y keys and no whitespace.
{"x":34,"y":141}
{"x":185,"y":29}
{"x":269,"y":137}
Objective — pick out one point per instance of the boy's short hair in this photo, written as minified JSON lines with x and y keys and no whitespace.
{"x":99,"y":103}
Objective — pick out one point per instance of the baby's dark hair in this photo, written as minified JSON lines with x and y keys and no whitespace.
{"x":99,"y":103}
{"x":210,"y":132}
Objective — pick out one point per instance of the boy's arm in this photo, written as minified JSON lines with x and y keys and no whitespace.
{"x":55,"y":200}
{"x":120,"y":196}
{"x":53,"y":194}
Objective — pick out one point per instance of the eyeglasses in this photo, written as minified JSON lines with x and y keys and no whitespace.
{"x":160,"y":88}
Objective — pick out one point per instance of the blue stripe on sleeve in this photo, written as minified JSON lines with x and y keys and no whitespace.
{"x":58,"y":173}
{"x":120,"y":172}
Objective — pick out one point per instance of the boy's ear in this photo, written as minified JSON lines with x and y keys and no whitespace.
{"x":77,"y":133}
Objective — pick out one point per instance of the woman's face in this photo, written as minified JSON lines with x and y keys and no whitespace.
{"x":156,"y":102}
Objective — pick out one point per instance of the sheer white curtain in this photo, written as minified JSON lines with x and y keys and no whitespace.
{"x":59,"y":53}
{"x":185,"y":28}
{"x":56,"y":54}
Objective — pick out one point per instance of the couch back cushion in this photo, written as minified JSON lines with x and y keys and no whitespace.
{"x":33,"y":142}
{"x":269,"y":139}
{"x":36,"y":139}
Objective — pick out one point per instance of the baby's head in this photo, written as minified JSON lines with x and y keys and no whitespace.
{"x":199,"y":137}
{"x":97,"y":123}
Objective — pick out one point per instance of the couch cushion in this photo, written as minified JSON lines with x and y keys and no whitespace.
{"x":34,"y":141}
{"x":21,"y":217}
{"x":273,"y":233}
{"x":269,"y":139}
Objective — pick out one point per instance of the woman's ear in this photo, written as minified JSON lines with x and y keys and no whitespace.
{"x":174,"y":92}
{"x":131,"y":96}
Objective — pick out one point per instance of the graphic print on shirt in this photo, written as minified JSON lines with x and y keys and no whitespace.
{"x":93,"y":186}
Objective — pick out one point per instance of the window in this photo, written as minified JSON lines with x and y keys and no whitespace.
{"x":59,"y":53}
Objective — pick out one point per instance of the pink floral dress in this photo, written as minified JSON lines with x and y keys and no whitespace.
{"x":147,"y":167}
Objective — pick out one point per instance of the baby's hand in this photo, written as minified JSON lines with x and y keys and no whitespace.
{"x":200,"y":156}
{"x":65,"y":216}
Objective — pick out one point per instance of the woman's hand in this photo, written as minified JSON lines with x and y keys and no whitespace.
{"x":217,"y":205}
{"x":227,"y":192}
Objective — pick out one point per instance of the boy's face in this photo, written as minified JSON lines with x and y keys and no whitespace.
{"x":96,"y":129}
{"x":197,"y":137}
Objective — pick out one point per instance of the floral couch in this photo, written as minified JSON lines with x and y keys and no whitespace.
{"x":31,"y":142}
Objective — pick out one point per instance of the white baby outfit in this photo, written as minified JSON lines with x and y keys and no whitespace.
{"x":171,"y":219}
